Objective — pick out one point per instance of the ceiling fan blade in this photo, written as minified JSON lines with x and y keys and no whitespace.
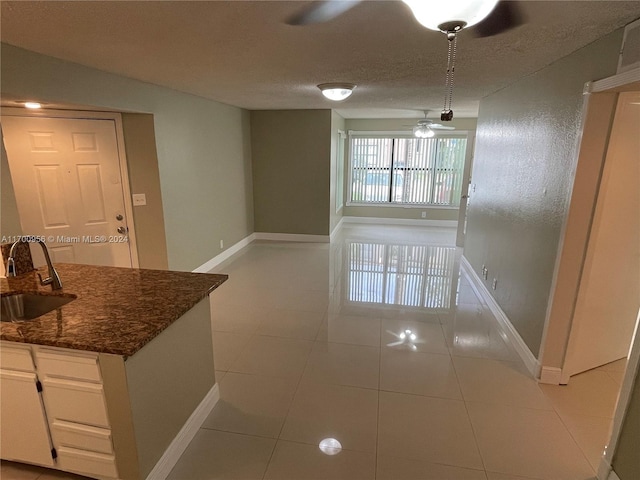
{"x":505,"y":16}
{"x":319,"y":12}
{"x":437,"y":126}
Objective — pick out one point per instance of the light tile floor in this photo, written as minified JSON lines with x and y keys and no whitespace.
{"x":404,"y":365}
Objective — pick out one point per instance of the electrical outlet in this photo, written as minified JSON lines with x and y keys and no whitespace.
{"x":424,"y":214}
{"x":221,"y":244}
{"x":494,"y":285}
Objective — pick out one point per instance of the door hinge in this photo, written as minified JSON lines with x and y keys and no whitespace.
{"x":54,"y":454}
{"x":38,"y":386}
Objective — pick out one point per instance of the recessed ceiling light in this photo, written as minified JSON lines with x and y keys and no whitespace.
{"x":32,"y":105}
{"x":336,"y":91}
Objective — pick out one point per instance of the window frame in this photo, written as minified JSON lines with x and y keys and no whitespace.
{"x":397,"y":135}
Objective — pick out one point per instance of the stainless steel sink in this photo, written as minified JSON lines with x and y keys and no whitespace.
{"x":27,"y":306}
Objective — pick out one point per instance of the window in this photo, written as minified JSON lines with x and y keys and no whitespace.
{"x":407,"y":171}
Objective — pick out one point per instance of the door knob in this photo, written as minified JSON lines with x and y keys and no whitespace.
{"x":119,"y":217}
{"x":122,"y":230}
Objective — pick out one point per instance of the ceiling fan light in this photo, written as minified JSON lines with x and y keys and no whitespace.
{"x":423,"y":131}
{"x":336,"y":91}
{"x":435,"y":13}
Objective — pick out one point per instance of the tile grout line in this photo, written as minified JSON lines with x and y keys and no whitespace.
{"x":375,"y":462}
{"x":284,"y":421}
{"x":466,"y":409}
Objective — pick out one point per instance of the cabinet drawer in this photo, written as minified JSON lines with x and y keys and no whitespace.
{"x":71,"y":365}
{"x":16,"y":358}
{"x":67,"y":434}
{"x":85,"y":462}
{"x":73,"y":401}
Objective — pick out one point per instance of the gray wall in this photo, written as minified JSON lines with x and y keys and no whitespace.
{"x":291,"y":170}
{"x":203,"y":149}
{"x":399,"y":124}
{"x":337,"y":123}
{"x":523,"y":169}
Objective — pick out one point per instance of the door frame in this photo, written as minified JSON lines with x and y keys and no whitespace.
{"x":122,"y":157}
{"x":461,"y":231}
{"x":598,"y":111}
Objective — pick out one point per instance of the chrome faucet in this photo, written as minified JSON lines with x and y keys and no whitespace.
{"x":53,"y":279}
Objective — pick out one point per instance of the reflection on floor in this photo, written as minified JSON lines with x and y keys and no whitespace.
{"x":371,"y":358}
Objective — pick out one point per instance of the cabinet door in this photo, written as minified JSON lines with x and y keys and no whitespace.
{"x":24,"y":436}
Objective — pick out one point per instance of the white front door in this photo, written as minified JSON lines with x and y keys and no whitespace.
{"x":68,"y":187}
{"x":609,"y":296}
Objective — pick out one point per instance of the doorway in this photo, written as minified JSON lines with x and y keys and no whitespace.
{"x":609,"y":293}
{"x":71,"y":185}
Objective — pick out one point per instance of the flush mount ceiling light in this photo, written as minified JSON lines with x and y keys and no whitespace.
{"x":32,"y":105}
{"x":336,"y":91}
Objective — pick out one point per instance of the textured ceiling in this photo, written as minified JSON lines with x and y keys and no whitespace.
{"x":244,"y":54}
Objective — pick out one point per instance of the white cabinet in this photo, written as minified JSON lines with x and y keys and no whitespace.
{"x":24,"y":435}
{"x":70,"y":416}
{"x":76,"y":408}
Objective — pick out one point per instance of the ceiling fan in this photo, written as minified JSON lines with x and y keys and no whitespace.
{"x":426,"y":128}
{"x":490,"y":17}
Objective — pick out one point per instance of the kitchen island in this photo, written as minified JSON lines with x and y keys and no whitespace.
{"x":123,"y":372}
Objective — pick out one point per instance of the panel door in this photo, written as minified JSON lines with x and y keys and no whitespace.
{"x":66,"y":177}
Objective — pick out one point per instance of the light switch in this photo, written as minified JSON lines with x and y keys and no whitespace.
{"x":139,"y":199}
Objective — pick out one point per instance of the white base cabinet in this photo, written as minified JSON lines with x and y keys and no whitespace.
{"x":106,"y":416}
{"x":24,"y":435}
{"x":54,"y":414}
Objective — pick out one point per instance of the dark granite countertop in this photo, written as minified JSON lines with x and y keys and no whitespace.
{"x":117,"y":310}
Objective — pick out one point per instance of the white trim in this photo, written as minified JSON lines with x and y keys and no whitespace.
{"x":624,"y":397}
{"x":126,"y":191}
{"x":218,"y":259}
{"x":605,"y":471}
{"x":563,"y":232}
{"x":402,"y":221}
{"x":529,"y":359}
{"x":402,"y":205}
{"x":551,"y":375}
{"x":620,"y":80}
{"x":336,"y":229}
{"x":116,"y":117}
{"x":181,"y":441}
{"x":291,"y":237}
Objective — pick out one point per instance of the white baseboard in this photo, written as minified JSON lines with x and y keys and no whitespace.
{"x":529,"y":359}
{"x":336,"y":230}
{"x":605,"y":471}
{"x":551,"y":375}
{"x":291,"y":237}
{"x":180,"y":443}
{"x":402,"y":221}
{"x":218,"y":259}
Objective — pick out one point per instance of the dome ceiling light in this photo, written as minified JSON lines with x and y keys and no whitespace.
{"x":336,"y":91}
{"x":450,"y":18}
